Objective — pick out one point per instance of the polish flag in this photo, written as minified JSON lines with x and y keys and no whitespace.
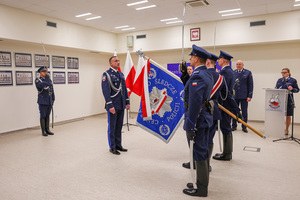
{"x":129,"y":72}
{"x":141,"y":87}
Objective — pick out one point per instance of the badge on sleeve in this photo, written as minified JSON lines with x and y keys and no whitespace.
{"x":194,"y":84}
{"x":104,"y":78}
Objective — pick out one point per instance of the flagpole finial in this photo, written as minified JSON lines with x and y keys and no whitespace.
{"x":140,"y":53}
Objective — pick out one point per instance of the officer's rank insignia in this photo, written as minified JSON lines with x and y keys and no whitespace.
{"x":194,"y":84}
{"x":104,"y":78}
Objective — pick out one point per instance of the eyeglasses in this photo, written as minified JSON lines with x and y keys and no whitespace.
{"x":284,"y":72}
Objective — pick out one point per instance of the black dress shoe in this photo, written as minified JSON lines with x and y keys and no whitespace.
{"x":225,"y":157}
{"x":114,"y":151}
{"x":233,"y":128}
{"x":187,"y":165}
{"x":122,"y":149}
{"x":245,"y":130}
{"x":196,"y":192}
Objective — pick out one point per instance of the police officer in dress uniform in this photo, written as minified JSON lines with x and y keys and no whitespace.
{"x":243,"y":88}
{"x":289,"y":83}
{"x":116,"y":100}
{"x":229,"y":76}
{"x":219,"y":88}
{"x":198,"y":117}
{"x":46,"y":99}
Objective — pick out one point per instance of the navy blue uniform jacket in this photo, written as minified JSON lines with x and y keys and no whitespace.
{"x":120,"y":100}
{"x":196,"y":92}
{"x":244,"y":86}
{"x":46,"y":92}
{"x":284,"y":84}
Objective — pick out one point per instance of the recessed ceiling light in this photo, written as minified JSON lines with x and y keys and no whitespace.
{"x":239,"y":13}
{"x":146,"y":7}
{"x":232,"y":10}
{"x":174,"y":22}
{"x":125,"y":29}
{"x":297,"y":0}
{"x":136,"y":3}
{"x":297,"y":5}
{"x":97,"y":17}
{"x":163,"y":20}
{"x":125,"y":26}
{"x":82,"y":15}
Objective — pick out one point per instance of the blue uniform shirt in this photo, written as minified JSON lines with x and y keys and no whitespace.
{"x":46,"y":92}
{"x":196,"y":92}
{"x":116,"y":94}
{"x":244,"y":84}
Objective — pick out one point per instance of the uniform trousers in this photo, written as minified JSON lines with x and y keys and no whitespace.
{"x":225,"y":123}
{"x":115,"y":124}
{"x":45,"y":110}
{"x":201,"y":144}
{"x":244,"y":107}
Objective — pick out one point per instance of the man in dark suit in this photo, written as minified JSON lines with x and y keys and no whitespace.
{"x":46,"y":99}
{"x":243,"y":88}
{"x":116,"y":100}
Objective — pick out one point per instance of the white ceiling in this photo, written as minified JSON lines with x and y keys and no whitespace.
{"x":117,"y":13}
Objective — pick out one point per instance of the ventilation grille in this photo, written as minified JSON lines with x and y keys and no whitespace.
{"x":141,"y":36}
{"x":258,"y":23}
{"x":197,"y":3}
{"x":51,"y":24}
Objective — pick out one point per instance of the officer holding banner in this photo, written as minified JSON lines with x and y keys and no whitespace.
{"x":198,"y":117}
{"x":46,"y":99}
{"x":116,"y":100}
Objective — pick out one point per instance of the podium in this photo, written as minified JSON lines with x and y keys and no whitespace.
{"x":275,"y":111}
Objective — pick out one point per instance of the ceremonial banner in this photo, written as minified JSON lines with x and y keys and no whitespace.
{"x":166,"y":102}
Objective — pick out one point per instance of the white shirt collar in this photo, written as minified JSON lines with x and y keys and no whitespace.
{"x":114,"y":69}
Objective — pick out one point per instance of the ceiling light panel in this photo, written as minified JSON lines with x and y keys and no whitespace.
{"x":91,"y":18}
{"x":82,"y":15}
{"x":125,"y":26}
{"x":164,"y":20}
{"x":174,"y":22}
{"x":125,"y":29}
{"x":137,"y":3}
{"x":146,"y":7}
{"x":230,"y":14}
{"x":231,"y":10}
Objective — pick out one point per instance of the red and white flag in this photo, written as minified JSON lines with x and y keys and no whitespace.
{"x":141,"y":88}
{"x":129,"y":72}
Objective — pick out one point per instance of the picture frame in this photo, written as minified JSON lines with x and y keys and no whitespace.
{"x":73,"y":63}
{"x":24,"y":78}
{"x":6,"y":78}
{"x":73,"y":77}
{"x":5,"y":59}
{"x":40,"y":60}
{"x":59,"y":78}
{"x":195,"y":34}
{"x":23,"y":60}
{"x":58,"y":62}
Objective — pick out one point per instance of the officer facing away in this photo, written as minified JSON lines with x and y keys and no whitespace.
{"x":46,"y":99}
{"x":116,"y":100}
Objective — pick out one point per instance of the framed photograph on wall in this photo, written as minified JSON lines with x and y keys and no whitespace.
{"x":73,"y":63}
{"x":59,"y":78}
{"x":6,"y":78}
{"x":73,"y":77}
{"x":42,"y":60}
{"x":23,"y":60}
{"x":23,"y":78}
{"x":195,"y":34}
{"x":5,"y":59}
{"x":58,"y":62}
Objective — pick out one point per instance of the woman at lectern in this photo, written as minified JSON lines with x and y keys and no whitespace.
{"x":289,"y":83}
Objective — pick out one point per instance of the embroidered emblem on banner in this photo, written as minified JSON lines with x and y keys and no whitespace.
{"x":160,"y":101}
{"x":164,"y":129}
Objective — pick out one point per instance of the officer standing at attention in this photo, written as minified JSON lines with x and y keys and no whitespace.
{"x":229,"y":75}
{"x":289,"y":83}
{"x":116,"y":100}
{"x":198,"y":117}
{"x":219,"y":88}
{"x":46,"y":99}
{"x":243,"y":88}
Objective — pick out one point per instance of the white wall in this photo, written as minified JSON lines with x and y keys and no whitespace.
{"x":18,"y":104}
{"x":280,"y":27}
{"x":25,"y":26}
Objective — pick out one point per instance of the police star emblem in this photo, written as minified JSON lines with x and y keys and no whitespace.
{"x":104,"y":78}
{"x":160,"y":102}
